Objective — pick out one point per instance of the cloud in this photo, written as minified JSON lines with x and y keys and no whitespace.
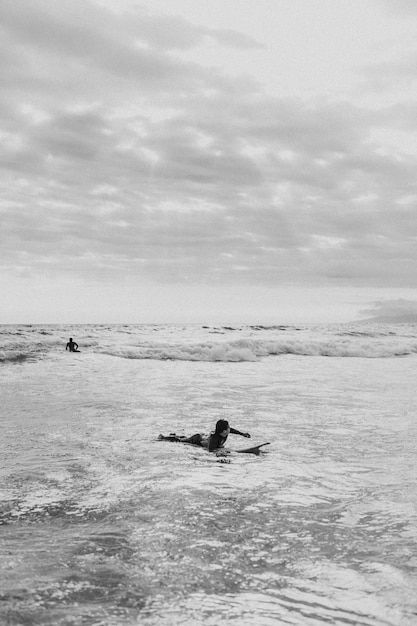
{"x":392,"y":66}
{"x":80,"y":42}
{"x":205,"y":196}
{"x":391,"y":73}
{"x":398,"y":308}
{"x":399,"y":8}
{"x":123,"y":155}
{"x":234,"y":39}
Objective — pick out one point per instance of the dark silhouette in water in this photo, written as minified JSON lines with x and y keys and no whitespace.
{"x":72,"y":346}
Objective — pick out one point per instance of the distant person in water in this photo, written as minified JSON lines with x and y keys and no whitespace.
{"x":72,"y":346}
{"x":214,"y":441}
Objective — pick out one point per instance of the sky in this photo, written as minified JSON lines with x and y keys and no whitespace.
{"x":218,"y":161}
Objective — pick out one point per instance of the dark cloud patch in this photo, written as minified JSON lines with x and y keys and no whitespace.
{"x":235,"y":39}
{"x":79,"y":136}
{"x":78,"y":42}
{"x":400,"y":309}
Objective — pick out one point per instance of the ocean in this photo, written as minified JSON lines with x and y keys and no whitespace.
{"x":102,"y":524}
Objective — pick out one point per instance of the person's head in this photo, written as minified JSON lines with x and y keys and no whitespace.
{"x":222,"y":428}
{"x":70,"y":338}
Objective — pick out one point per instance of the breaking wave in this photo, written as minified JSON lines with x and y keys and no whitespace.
{"x":212,"y":344}
{"x":254,"y":349}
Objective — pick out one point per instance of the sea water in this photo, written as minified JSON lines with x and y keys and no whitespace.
{"x":102,"y":524}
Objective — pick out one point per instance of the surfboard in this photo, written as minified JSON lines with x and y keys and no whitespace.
{"x":171,"y":437}
{"x":251,"y":450}
{"x":254,"y":449}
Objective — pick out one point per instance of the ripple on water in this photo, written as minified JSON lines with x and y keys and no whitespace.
{"x":295,"y":605}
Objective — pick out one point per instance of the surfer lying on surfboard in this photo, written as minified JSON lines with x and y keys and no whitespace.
{"x":212,"y":442}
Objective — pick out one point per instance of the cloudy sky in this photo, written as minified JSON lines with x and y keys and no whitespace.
{"x":207,"y":160}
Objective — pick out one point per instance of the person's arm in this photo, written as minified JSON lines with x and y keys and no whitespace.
{"x":237,"y":432}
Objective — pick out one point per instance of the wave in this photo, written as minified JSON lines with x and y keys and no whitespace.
{"x":207,"y":343}
{"x":17,"y":350}
{"x":253,"y":350}
{"x":14,"y":357}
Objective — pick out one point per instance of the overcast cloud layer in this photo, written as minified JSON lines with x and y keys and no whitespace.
{"x":142,"y":152}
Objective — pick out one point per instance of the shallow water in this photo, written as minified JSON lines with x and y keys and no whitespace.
{"x":101,"y":524}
